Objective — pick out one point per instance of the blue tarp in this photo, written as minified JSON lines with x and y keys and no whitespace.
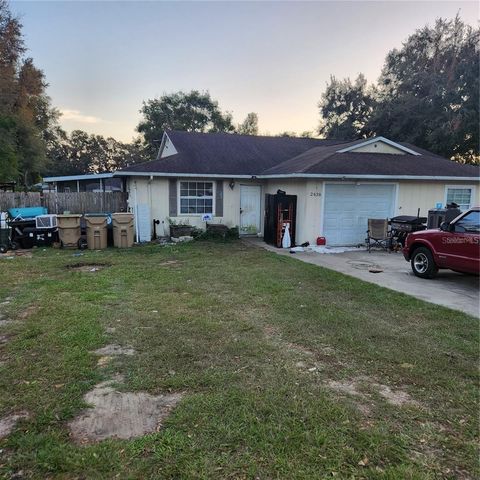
{"x":27,"y":212}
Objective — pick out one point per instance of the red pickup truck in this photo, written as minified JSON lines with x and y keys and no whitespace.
{"x":455,"y":245}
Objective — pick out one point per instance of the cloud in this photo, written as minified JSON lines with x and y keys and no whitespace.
{"x":77,"y":116}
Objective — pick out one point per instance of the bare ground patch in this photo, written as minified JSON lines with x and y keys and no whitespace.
{"x":324,"y":359}
{"x":86,"y":267}
{"x":170,"y":264}
{"x":114,"y":350}
{"x":8,"y":423}
{"x":363,"y":386}
{"x":28,"y":312}
{"x":121,"y":415}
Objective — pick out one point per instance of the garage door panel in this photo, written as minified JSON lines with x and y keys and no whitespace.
{"x":348,"y":208}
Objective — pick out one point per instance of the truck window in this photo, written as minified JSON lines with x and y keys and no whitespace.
{"x":470,"y":223}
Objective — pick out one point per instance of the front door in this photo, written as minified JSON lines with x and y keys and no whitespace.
{"x":250,"y":196}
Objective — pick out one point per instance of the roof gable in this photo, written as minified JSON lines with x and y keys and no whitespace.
{"x":379,"y":145}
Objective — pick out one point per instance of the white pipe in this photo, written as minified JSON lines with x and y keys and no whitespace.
{"x":135,"y":209}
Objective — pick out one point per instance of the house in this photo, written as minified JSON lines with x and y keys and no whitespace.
{"x":339,"y":184}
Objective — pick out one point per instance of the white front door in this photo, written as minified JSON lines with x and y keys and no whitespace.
{"x":250,"y":196}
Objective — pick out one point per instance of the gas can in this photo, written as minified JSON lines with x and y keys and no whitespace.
{"x":321,"y":241}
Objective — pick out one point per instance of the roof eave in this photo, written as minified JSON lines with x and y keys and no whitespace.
{"x":366,"y":176}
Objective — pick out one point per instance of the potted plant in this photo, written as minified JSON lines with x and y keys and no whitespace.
{"x":178,"y":229}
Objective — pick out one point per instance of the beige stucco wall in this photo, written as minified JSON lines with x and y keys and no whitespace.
{"x":410,"y":196}
{"x":155,"y":193}
{"x":425,"y":195}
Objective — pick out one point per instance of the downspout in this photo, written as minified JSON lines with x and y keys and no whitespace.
{"x":150,"y":201}
{"x":135,"y":209}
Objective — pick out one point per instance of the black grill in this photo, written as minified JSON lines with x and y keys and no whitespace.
{"x":402,"y":225}
{"x":407,"y":223}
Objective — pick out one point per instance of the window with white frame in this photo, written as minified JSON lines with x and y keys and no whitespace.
{"x":462,"y":196}
{"x":196,"y":198}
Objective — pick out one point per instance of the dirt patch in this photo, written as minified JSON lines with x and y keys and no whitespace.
{"x":8,"y":423}
{"x":29,"y":311}
{"x":114,"y":350}
{"x":105,"y":360}
{"x":4,"y":322}
{"x":4,"y":339}
{"x":120,"y":415}
{"x":170,"y":263}
{"x":362,"y":387}
{"x":395,"y":397}
{"x":87,"y":267}
{"x":348,"y":387}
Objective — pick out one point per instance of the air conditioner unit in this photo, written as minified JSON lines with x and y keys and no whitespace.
{"x":46,"y":221}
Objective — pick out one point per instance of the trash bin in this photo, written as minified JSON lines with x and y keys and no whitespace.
{"x":123,"y":232}
{"x":96,"y":231}
{"x":69,"y":230}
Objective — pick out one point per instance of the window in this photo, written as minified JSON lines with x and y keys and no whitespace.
{"x":470,"y":223}
{"x":462,"y":196}
{"x":196,"y":197}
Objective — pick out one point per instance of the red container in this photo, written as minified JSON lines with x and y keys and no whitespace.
{"x":321,"y":241}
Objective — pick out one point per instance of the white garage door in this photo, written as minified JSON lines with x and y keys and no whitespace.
{"x":347,"y":208}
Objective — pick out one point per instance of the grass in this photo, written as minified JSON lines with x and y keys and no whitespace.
{"x":253,"y":340}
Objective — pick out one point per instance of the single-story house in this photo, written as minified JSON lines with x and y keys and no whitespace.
{"x":338,"y":184}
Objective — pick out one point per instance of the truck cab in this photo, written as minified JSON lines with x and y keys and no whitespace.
{"x":455,"y":246}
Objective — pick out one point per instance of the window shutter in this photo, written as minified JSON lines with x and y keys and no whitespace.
{"x":172,"y":197}
{"x":219,"y":199}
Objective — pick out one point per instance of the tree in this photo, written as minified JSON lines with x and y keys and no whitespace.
{"x":427,"y":94}
{"x":249,"y":126}
{"x":429,"y":90}
{"x":192,"y":111}
{"x":81,"y":153}
{"x":25,"y":112}
{"x":345,"y":108}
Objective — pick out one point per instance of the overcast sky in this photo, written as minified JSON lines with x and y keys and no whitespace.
{"x":102,"y":59}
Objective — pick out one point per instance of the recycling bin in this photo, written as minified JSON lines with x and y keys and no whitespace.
{"x":123,"y":230}
{"x":96,"y":231}
{"x":69,"y":230}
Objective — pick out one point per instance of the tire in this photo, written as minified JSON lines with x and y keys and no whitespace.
{"x":3,"y":249}
{"x":422,"y":263}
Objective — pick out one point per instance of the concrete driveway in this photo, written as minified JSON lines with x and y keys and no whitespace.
{"x":450,"y":289}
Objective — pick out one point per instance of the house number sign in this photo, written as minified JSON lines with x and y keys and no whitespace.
{"x":315,"y":194}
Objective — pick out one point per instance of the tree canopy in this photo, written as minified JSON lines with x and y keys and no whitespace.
{"x":25,"y":111}
{"x":427,"y":94}
{"x":81,"y":152}
{"x":249,"y":126}
{"x":192,"y":111}
{"x":345,"y":108}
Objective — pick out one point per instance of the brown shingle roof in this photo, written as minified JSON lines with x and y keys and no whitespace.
{"x":328,"y":161}
{"x":230,"y":154}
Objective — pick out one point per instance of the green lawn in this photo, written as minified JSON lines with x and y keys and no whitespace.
{"x":285,"y":368}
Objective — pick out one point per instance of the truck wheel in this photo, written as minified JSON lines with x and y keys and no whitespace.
{"x":422,"y":262}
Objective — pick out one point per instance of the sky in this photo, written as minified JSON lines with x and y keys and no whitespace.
{"x":103,"y":59}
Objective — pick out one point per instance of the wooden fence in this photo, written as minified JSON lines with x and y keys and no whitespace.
{"x":73,"y":202}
